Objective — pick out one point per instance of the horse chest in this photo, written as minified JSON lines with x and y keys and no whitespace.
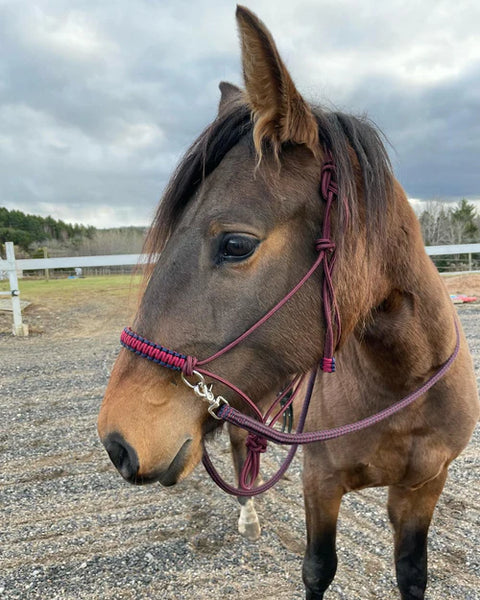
{"x":393,"y":460}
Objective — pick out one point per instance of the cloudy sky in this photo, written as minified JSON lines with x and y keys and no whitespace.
{"x":98,"y":100}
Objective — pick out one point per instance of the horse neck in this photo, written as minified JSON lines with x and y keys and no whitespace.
{"x":404,"y":321}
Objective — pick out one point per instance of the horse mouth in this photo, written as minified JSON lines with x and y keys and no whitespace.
{"x":173,"y":473}
{"x":125,"y":459}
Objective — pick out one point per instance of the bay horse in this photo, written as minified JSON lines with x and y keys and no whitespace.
{"x":237,"y":231}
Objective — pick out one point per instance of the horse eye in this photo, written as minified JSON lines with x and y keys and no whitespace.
{"x":236,"y":247}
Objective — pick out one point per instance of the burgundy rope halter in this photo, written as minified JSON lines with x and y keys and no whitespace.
{"x":261,"y":427}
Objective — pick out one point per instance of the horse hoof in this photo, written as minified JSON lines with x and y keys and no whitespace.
{"x":251,"y":531}
{"x":248,"y":523}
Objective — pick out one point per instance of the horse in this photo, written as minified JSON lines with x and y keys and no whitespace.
{"x":263,"y":274}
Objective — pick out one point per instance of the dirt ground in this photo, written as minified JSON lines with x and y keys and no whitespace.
{"x":469,"y":285}
{"x":71,"y":528}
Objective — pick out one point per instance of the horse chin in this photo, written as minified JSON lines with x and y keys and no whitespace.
{"x":180,"y":467}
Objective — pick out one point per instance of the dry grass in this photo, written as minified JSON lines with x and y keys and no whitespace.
{"x":87,"y":306}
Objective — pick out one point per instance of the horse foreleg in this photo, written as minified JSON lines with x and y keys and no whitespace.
{"x":248,"y":522}
{"x":410,"y":513}
{"x":322,"y":503}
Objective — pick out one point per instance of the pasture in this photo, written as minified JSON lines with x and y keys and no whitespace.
{"x":71,"y":528}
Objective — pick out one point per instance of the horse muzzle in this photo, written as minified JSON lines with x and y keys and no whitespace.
{"x":126,"y":461}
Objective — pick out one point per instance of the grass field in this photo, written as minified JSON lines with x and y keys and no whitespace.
{"x":35,"y":290}
{"x":90,"y":304}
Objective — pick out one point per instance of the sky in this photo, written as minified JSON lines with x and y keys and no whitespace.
{"x":99,"y":100}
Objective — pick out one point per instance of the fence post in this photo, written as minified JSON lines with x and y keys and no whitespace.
{"x":45,"y":255}
{"x":469,"y":261}
{"x":18,"y":327}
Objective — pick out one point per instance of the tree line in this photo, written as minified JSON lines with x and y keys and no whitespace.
{"x":26,"y":230}
{"x":36,"y":237}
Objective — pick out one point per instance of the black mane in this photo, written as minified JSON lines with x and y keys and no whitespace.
{"x":338,"y":132}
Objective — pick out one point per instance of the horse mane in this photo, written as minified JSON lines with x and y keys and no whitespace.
{"x":339,"y":132}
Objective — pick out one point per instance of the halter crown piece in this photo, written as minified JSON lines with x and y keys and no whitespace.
{"x":261,"y":427}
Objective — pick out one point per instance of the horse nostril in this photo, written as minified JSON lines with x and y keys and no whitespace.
{"x":122,"y":455}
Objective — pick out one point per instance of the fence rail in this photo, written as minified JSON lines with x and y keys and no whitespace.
{"x":455,"y":249}
{"x":12,"y":266}
{"x":116,"y":260}
{"x":71,"y":262}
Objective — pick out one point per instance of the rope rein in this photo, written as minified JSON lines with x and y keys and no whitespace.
{"x":261,"y":427}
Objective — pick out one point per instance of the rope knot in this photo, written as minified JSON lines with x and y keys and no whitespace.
{"x":329,"y":185}
{"x":328,"y":365}
{"x":322,"y":244}
{"x":189,"y":365}
{"x":256,"y":444}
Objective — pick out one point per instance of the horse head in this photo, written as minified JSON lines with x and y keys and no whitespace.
{"x":234,"y":233}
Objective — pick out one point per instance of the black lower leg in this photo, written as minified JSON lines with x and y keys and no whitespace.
{"x":410,"y":511}
{"x":319,"y":565}
{"x":411,"y":563}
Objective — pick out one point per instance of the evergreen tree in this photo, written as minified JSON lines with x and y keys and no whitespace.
{"x":463,"y":216}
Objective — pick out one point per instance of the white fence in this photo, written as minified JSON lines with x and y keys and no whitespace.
{"x":11,"y":266}
{"x":467,"y":249}
{"x":71,"y":262}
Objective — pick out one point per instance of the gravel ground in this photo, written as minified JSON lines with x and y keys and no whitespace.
{"x":72,"y":529}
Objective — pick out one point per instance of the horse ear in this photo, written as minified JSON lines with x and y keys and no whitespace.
{"x":230,"y":94}
{"x":280,"y":113}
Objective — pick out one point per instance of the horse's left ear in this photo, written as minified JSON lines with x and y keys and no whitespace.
{"x":280,"y":113}
{"x":230,"y":94}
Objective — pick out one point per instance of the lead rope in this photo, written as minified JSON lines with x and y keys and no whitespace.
{"x":231,"y":415}
{"x":249,"y":490}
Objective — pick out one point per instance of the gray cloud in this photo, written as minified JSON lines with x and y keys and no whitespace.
{"x":434,"y":131}
{"x":99,"y":100}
